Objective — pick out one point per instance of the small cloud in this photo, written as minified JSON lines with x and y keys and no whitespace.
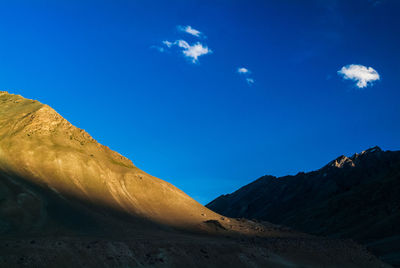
{"x":194,"y":51}
{"x":250,"y":81}
{"x":188,"y":29}
{"x":167,"y":43}
{"x":246,"y":72}
{"x":361,"y":74}
{"x":182,"y":43}
{"x":243,"y":70}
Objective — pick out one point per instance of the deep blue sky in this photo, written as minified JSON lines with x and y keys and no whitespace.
{"x":199,"y":125}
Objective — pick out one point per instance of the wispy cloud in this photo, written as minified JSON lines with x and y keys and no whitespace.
{"x":192,"y":52}
{"x":167,"y":43}
{"x":246,"y":72}
{"x":250,"y":81}
{"x":361,"y":74}
{"x":188,"y":29}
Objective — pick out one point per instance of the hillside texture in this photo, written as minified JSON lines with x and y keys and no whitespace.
{"x":37,"y":144}
{"x":354,"y":197}
{"x":68,"y":201}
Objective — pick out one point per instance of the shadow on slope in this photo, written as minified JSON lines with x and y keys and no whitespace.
{"x":59,"y":184}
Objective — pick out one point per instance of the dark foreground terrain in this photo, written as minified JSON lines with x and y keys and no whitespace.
{"x":355,"y":197}
{"x":182,"y":251}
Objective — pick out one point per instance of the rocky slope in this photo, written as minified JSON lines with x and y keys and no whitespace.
{"x":354,"y":197}
{"x":66,"y":200}
{"x":37,"y":144}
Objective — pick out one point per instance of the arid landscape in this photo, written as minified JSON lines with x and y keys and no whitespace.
{"x":199,"y":133}
{"x":68,"y":201}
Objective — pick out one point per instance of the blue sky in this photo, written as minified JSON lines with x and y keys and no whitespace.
{"x":199,"y":123}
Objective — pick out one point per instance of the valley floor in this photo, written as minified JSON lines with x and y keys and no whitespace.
{"x":182,"y":250}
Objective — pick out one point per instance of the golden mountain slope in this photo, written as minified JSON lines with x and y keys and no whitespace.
{"x":38,"y":144}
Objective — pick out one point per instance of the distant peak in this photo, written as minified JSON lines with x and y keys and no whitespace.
{"x":341,"y":161}
{"x":344,"y":161}
{"x":369,"y":151}
{"x":372,"y":150}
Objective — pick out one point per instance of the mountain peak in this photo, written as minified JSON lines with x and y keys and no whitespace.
{"x":374,"y":149}
{"x":366,"y":153}
{"x":342,"y":161}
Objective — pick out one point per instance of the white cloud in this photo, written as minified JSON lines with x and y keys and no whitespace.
{"x":167,"y":43}
{"x":194,"y":51}
{"x":182,"y":43}
{"x":188,"y":29}
{"x":361,"y":74}
{"x":246,"y":72}
{"x":250,"y":81}
{"x":243,"y":70}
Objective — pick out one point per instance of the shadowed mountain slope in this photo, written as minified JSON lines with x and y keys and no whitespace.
{"x":66,"y":200}
{"x":353,"y":197}
{"x":37,"y":144}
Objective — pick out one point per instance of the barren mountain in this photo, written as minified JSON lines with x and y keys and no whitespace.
{"x":354,"y":197}
{"x":66,"y":200}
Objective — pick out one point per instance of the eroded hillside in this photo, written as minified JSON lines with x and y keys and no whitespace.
{"x":66,"y":200}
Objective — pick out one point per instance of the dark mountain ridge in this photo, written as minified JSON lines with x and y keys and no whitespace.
{"x":354,"y":197}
